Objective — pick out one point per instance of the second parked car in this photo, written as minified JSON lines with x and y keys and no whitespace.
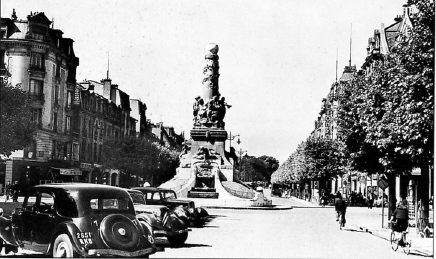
{"x":170,"y":223}
{"x":168,"y":197}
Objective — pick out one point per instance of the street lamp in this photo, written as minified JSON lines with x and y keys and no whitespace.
{"x":233,"y":137}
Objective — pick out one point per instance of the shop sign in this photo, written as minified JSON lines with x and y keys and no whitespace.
{"x":416,"y":171}
{"x":70,"y":172}
{"x":86,"y":166}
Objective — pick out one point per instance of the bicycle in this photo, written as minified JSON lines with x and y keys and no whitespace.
{"x":404,"y":240}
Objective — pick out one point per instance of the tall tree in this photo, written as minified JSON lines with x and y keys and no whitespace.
{"x":323,"y":159}
{"x":253,"y":169}
{"x":394,"y":105}
{"x":140,"y":157}
{"x":16,"y":125}
{"x":271,"y":165}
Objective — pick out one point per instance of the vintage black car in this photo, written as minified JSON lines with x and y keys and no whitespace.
{"x":170,"y":223}
{"x":167,"y":197}
{"x":81,"y":220}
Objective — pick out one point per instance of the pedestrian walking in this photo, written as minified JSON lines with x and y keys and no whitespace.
{"x":353,"y":198}
{"x":15,"y":196}
{"x":8,"y":191}
{"x":370,"y":200}
{"x":340,"y":208}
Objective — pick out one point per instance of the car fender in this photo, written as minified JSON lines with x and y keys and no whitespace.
{"x":150,"y":219}
{"x":69,"y":229}
{"x":6,"y":233}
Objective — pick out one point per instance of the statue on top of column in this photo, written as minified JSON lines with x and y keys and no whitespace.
{"x":210,"y":110}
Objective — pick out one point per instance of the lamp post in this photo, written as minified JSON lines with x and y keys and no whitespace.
{"x":232,"y":137}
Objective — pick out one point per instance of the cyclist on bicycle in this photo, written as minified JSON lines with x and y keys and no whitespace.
{"x":341,"y":208}
{"x":400,"y":217}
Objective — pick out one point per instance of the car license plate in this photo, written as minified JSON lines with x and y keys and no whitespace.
{"x":84,"y":237}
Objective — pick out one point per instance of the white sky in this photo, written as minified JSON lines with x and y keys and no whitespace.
{"x":277,"y":58}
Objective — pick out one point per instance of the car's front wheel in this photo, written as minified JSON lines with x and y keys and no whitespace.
{"x":178,"y":239}
{"x":62,"y":247}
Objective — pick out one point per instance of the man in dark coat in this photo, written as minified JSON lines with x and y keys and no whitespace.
{"x":341,"y":208}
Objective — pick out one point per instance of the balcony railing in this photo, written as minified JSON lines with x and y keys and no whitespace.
{"x":38,"y":68}
{"x":36,"y":96}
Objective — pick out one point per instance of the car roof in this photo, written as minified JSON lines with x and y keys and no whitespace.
{"x":154,"y":189}
{"x":133,"y":191}
{"x":76,"y":186}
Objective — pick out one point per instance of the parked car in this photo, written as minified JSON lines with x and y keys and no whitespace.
{"x":168,"y":197}
{"x":81,"y":220}
{"x":170,"y":223}
{"x":276,"y":190}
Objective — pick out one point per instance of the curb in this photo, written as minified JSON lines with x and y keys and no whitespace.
{"x":247,"y":208}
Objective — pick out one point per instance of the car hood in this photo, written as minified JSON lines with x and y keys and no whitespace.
{"x":143,"y":208}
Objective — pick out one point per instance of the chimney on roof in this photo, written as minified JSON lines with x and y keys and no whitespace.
{"x":399,"y":18}
{"x":106,"y":88}
{"x":14,"y":15}
{"x":114,"y":89}
{"x":407,"y":8}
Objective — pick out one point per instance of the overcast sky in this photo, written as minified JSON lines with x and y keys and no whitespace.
{"x":277,"y":58}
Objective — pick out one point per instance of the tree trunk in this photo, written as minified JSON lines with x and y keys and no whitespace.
{"x":392,"y":193}
{"x":423,"y":190}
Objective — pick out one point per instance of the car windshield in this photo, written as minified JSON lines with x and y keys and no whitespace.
{"x":138,"y":198}
{"x":168,"y":194}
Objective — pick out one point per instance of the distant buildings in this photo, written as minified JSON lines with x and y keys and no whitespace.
{"x":73,"y":118}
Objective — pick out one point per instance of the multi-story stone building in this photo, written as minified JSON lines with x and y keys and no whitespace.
{"x":166,"y":135}
{"x":73,"y":118}
{"x":40,"y":61}
{"x":104,"y":112}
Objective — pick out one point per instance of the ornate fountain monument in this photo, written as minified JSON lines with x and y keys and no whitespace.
{"x":204,"y":157}
{"x":204,"y":162}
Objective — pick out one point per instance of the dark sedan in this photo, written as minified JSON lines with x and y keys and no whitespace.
{"x":81,"y":220}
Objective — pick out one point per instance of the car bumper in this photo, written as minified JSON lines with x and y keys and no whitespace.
{"x":121,"y":253}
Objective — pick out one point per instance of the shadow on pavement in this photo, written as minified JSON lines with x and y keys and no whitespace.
{"x":186,"y":245}
{"x":352,"y":230}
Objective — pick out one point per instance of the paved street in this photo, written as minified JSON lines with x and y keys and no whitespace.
{"x":296,"y":233}
{"x":301,"y":232}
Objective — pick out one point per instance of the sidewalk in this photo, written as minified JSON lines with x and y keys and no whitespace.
{"x":370,"y":221}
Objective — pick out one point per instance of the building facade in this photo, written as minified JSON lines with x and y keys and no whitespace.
{"x":73,"y":118}
{"x":41,"y":62}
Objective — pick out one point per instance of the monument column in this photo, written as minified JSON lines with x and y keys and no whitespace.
{"x":211,"y":73}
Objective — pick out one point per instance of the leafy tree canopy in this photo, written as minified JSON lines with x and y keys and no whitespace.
{"x":16,"y":128}
{"x":143,"y":157}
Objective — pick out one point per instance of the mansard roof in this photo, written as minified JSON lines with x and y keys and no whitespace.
{"x":10,"y":25}
{"x":38,"y":18}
